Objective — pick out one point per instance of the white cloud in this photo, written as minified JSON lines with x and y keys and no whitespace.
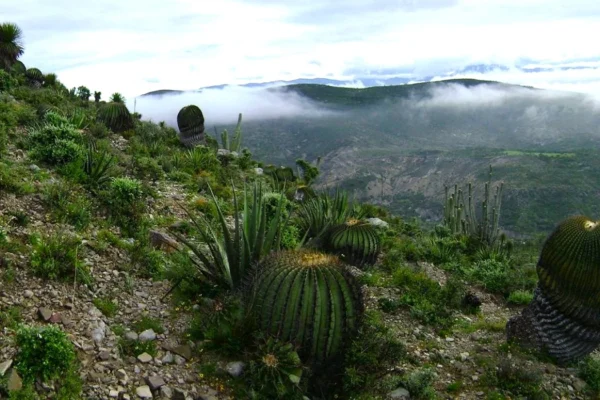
{"x":135,"y":47}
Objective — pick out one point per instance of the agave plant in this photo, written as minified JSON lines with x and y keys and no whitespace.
{"x":306,"y":297}
{"x":11,"y":47}
{"x":232,"y":252}
{"x":116,"y":116}
{"x":117,"y":98}
{"x":97,"y":166}
{"x":319,"y":213}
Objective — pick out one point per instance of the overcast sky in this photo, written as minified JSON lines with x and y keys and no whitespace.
{"x":135,"y":46}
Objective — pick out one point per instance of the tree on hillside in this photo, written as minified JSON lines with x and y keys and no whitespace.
{"x":117,"y":98}
{"x":11,"y":47}
{"x":97,"y":96}
{"x":83,"y":93}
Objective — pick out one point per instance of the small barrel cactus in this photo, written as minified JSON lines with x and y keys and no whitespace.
{"x":305,"y":297}
{"x":563,"y":319}
{"x":190,"y":122}
{"x":116,"y":116}
{"x":356,"y":241}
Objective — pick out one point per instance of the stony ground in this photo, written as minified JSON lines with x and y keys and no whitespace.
{"x":173,"y":373}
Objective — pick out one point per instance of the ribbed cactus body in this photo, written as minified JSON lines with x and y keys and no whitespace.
{"x":116,"y":116}
{"x":34,"y":74}
{"x":190,"y":121}
{"x":19,"y":67}
{"x":356,"y":241}
{"x":564,"y":316}
{"x":305,"y":297}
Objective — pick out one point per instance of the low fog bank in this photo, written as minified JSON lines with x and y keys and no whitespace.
{"x":222,"y":106}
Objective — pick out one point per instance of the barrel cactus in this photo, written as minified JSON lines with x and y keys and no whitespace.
{"x":563,"y":318}
{"x":356,"y":241}
{"x":190,"y":121}
{"x":18,"y":67}
{"x":307,"y":298}
{"x":116,"y":116}
{"x":35,"y":76}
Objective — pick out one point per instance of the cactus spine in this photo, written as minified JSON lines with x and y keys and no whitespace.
{"x":305,"y":297}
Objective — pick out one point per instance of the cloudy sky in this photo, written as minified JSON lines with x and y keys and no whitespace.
{"x":136,"y":46}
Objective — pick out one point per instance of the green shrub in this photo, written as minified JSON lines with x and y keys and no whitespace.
{"x":419,"y":382}
{"x":134,"y":348}
{"x":514,"y":379}
{"x":56,"y":144}
{"x":493,"y":275}
{"x":10,"y":318}
{"x":67,"y":204}
{"x":43,"y":353}
{"x":7,"y":81}
{"x":56,"y":257}
{"x":126,"y":203}
{"x":147,"y":168}
{"x":589,"y":371}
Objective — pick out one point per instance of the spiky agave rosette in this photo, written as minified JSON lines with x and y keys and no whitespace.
{"x":355,"y":240}
{"x":190,"y":122}
{"x":307,"y":298}
{"x":563,"y":318}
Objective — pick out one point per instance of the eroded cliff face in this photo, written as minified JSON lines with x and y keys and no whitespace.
{"x":539,"y":190}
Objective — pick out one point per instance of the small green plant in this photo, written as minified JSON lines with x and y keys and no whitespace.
{"x":43,"y":353}
{"x":589,"y":371}
{"x":128,"y":347}
{"x":514,"y":379}
{"x":275,"y":370}
{"x":419,"y":383}
{"x":10,"y":318}
{"x":106,"y":305}
{"x":56,"y":257}
{"x":97,"y":166}
{"x":126,"y":203}
{"x":56,"y":142}
{"x":520,"y":297}
{"x":147,"y":322}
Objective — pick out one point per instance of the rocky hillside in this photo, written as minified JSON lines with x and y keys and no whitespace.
{"x":132,"y":266}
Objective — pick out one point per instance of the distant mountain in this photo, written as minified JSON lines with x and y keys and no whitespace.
{"x":401,"y":145}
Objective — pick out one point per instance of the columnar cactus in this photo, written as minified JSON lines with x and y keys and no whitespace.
{"x":356,"y":241}
{"x":564,"y":317}
{"x":305,"y":297}
{"x":190,"y":121}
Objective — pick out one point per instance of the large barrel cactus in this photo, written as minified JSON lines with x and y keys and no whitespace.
{"x":190,"y":121}
{"x":307,"y":298}
{"x":356,"y":241}
{"x":563,"y":318}
{"x":116,"y":116}
{"x":35,"y":76}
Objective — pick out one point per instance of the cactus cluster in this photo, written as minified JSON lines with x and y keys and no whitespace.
{"x":564,"y":317}
{"x":355,"y":241}
{"x":306,"y":298}
{"x":190,"y":122}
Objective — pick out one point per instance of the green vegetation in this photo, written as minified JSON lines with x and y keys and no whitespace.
{"x":262,"y":267}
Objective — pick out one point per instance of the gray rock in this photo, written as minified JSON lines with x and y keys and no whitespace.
{"x":166,"y":392}
{"x":168,"y":358}
{"x":184,"y":351}
{"x":28,"y":294}
{"x":235,"y":368}
{"x":399,"y":393}
{"x":179,"y":394}
{"x":147,"y":336}
{"x":34,"y":168}
{"x":144,"y":357}
{"x":5,"y":366}
{"x":131,"y":335}
{"x":258,"y":171}
{"x":122,"y":375}
{"x":113,"y":393}
{"x":179,"y":360}
{"x":104,"y":355}
{"x":45,"y":313}
{"x":144,"y":392}
{"x":155,"y":382}
{"x":14,"y":381}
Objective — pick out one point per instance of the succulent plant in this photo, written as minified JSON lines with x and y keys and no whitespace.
{"x":190,"y":121}
{"x":18,"y":67}
{"x":306,"y":298}
{"x":563,"y":319}
{"x":35,"y":76}
{"x":116,"y":116}
{"x":356,"y":241}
